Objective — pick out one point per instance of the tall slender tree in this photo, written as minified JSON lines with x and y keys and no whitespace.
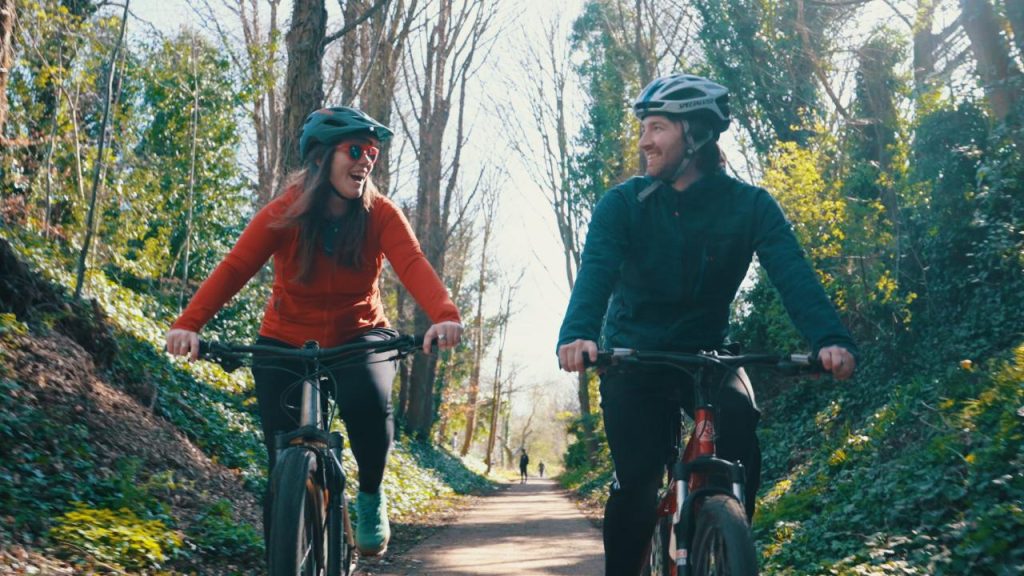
{"x":477,"y":334}
{"x":456,"y":41}
{"x":8,"y":15}
{"x":99,"y":166}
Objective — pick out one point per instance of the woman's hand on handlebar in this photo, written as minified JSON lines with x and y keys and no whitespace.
{"x":181,"y":342}
{"x":838,"y":361}
{"x":447,"y":334}
{"x":570,"y":356}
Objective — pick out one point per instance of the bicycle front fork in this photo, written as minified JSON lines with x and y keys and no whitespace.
{"x":687,"y":502}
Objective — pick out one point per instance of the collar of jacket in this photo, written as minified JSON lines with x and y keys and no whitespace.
{"x":704,"y":182}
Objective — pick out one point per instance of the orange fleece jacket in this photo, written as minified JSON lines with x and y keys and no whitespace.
{"x":338,"y":303}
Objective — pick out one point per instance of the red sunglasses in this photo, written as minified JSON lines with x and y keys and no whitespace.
{"x":356,"y":151}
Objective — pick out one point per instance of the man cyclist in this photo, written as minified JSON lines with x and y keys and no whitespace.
{"x":665,"y":255}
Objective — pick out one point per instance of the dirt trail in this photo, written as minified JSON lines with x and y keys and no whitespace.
{"x":528,"y":529}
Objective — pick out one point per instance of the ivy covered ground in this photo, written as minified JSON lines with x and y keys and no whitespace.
{"x":115,"y":458}
{"x":911,"y":475}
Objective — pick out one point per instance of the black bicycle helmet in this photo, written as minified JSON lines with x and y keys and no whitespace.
{"x":332,"y":125}
{"x":685,"y":95}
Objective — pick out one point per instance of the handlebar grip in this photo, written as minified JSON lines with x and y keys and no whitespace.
{"x":801,"y":364}
{"x":216,"y":352}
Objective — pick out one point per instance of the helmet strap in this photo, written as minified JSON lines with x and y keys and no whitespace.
{"x":690,"y":148}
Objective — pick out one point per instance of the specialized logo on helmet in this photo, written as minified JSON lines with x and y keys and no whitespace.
{"x":684,"y":94}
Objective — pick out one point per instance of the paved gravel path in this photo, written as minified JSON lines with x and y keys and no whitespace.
{"x":527,"y":529}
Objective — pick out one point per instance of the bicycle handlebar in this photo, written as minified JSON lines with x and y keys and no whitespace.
{"x":230,"y":355}
{"x":791,"y":363}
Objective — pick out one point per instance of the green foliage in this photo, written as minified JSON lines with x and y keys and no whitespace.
{"x":927,"y":477}
{"x":607,"y":154}
{"x":587,"y":477}
{"x":218,"y":534}
{"x":818,"y":212}
{"x":38,"y":472}
{"x":188,"y":88}
{"x":118,"y":537}
{"x":755,"y":48}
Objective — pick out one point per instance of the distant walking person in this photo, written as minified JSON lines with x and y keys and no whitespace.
{"x":524,"y":461}
{"x":540,"y":469}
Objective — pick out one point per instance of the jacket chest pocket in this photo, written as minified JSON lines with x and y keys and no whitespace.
{"x":720,"y":263}
{"x":656,"y":268}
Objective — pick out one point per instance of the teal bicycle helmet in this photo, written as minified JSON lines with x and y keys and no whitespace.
{"x":332,"y":125}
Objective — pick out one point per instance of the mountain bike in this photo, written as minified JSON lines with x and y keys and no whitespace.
{"x":701,"y":513}
{"x":310,"y":530}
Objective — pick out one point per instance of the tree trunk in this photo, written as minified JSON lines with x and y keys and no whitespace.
{"x":497,"y":387}
{"x":999,"y":74}
{"x":8,"y":15}
{"x":191,"y":177}
{"x":1015,"y":14}
{"x":925,"y":43}
{"x":392,"y":27}
{"x":404,"y":367}
{"x":264,"y":103}
{"x":419,"y":415}
{"x":304,"y":87}
{"x":99,"y":168}
{"x":490,"y":212}
{"x":447,"y":64}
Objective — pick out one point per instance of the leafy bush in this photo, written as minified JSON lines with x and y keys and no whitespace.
{"x":218,"y":534}
{"x":116,"y":536}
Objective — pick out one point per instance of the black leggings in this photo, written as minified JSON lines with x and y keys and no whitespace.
{"x":363,"y":398}
{"x":641,"y":417}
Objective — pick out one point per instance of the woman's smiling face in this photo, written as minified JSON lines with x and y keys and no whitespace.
{"x":348,"y":174}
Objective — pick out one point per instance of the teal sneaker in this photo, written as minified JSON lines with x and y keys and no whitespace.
{"x":372,"y":528}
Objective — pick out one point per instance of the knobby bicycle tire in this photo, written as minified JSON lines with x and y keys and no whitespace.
{"x":722,"y":543}
{"x":660,"y":562}
{"x":297,"y":515}
{"x":339,"y":534}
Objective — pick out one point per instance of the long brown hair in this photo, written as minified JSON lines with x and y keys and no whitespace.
{"x":709,"y":157}
{"x":309,"y":213}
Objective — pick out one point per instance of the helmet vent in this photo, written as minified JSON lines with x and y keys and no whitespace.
{"x":684,"y":94}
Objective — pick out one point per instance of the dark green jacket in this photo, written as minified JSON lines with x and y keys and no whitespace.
{"x":662,"y":272}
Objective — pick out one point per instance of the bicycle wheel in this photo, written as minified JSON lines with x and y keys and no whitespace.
{"x":661,"y":562}
{"x":339,"y":537}
{"x":298,"y":515}
{"x":722,"y":544}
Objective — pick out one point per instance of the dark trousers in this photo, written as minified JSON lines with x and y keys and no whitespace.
{"x":363,"y":396}
{"x":641,"y":418}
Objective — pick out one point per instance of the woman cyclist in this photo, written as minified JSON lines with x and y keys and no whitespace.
{"x":664,"y":257}
{"x":328,"y":235}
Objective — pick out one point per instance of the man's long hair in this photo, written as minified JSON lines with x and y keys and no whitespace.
{"x":709,"y":157}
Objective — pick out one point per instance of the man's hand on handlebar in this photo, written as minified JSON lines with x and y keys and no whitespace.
{"x":570,"y":356}
{"x":838,"y":361}
{"x":181,"y":342}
